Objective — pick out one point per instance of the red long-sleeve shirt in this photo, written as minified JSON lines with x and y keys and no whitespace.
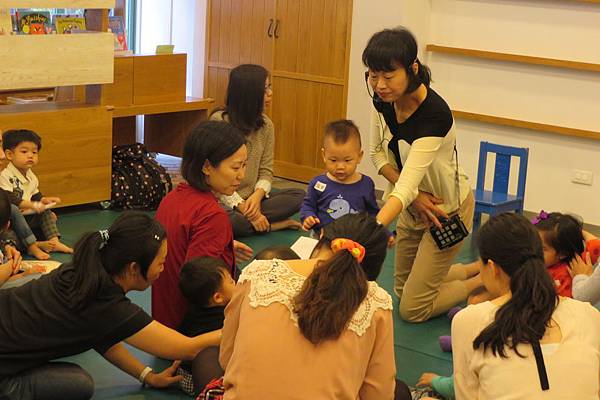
{"x":563,"y":282}
{"x":196,"y":226}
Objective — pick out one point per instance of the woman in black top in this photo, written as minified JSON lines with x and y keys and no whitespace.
{"x":83,"y":306}
{"x":413,"y":146}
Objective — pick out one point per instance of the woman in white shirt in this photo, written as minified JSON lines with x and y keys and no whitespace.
{"x":413,"y":146}
{"x":528,"y":343}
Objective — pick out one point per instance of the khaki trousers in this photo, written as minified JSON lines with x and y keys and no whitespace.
{"x":422,"y":279}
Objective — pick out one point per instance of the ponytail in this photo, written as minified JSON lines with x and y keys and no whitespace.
{"x":133,"y":237}
{"x":424,"y":74}
{"x":514,"y":245}
{"x":88,"y":270}
{"x":525,"y":317}
{"x":336,"y":288}
{"x":330,"y":297}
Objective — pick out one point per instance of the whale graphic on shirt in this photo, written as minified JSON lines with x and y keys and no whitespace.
{"x":339,"y":207}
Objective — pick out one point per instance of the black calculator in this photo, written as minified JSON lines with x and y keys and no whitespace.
{"x":453,"y":231}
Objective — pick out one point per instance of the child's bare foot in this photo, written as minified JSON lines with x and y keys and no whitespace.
{"x":35,"y":251}
{"x":286,"y":224}
{"x":45,"y":245}
{"x":60,"y":247}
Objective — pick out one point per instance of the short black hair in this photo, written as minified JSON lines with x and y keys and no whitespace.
{"x":280,"y":252}
{"x":13,"y":137}
{"x":200,"y":278}
{"x":390,"y":49}
{"x":341,"y":131}
{"x":564,"y":233}
{"x":4,"y":210}
{"x":211,"y":141}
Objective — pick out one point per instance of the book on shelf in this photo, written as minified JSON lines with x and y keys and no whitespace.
{"x":6,"y":27}
{"x":27,"y":100}
{"x":116,"y":25}
{"x":34,"y":22}
{"x":66,"y":25}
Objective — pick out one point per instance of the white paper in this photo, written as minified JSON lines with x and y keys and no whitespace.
{"x":304,"y":246}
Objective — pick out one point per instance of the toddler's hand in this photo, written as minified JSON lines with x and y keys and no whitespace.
{"x":309,"y":222}
{"x":391,"y":241}
{"x":426,"y":378}
{"x":579,"y":266}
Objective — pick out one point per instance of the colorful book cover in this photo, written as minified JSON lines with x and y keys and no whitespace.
{"x":68,"y":24}
{"x":34,"y":22}
{"x":5,"y":22}
{"x":117,"y":26}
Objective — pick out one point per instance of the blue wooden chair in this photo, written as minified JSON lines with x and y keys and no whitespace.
{"x":498,"y":200}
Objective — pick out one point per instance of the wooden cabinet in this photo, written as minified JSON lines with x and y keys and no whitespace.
{"x":76,"y":148}
{"x":305,"y":44}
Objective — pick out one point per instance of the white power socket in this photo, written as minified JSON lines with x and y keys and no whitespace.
{"x":582,"y":177}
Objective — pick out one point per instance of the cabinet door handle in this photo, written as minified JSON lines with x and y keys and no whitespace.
{"x":276,"y":29}
{"x":269,"y":32}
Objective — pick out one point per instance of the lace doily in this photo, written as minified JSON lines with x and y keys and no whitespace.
{"x":273,"y":281}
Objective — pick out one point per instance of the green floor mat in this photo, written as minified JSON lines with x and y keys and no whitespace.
{"x":416,"y":345}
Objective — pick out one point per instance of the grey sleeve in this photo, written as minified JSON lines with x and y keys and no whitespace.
{"x":587,"y":288}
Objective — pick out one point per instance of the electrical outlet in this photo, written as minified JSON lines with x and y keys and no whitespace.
{"x":582,"y":177}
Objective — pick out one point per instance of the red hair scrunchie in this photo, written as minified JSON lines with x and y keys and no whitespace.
{"x":355,"y":249}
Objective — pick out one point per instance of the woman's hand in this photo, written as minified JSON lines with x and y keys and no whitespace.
{"x":242,"y":251}
{"x":164,"y":378}
{"x":426,"y":379}
{"x":50,"y":200}
{"x":252,"y":205}
{"x":261,"y":223}
{"x":579,"y":266}
{"x":426,"y":205}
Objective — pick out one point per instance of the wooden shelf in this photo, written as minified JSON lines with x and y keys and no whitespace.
{"x":536,"y":126}
{"x":44,"y":107}
{"x":67,"y":60}
{"x":57,"y":3}
{"x":516,"y":58}
{"x":190,"y":104}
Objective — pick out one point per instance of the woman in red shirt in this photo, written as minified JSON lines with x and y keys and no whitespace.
{"x":214,"y":163}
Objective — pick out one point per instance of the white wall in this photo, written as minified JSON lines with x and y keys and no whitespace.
{"x":181,"y":23}
{"x":554,"y":29}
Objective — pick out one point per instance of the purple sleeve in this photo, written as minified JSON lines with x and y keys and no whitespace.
{"x":309,"y":204}
{"x":370,"y":200}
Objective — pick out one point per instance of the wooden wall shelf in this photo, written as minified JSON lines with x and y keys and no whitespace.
{"x":190,"y":104}
{"x":57,"y":3}
{"x":536,"y":126}
{"x":516,"y":58}
{"x":67,"y":60}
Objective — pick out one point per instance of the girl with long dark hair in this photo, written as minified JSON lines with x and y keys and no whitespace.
{"x":528,"y":343}
{"x":252,"y":208}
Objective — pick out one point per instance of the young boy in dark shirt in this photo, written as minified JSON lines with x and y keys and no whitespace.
{"x":207,"y":285}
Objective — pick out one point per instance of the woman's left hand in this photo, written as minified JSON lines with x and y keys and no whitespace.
{"x":242,"y":251}
{"x":165,"y":378}
{"x":579,"y":266}
{"x":426,"y":205}
{"x":252,"y":209}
